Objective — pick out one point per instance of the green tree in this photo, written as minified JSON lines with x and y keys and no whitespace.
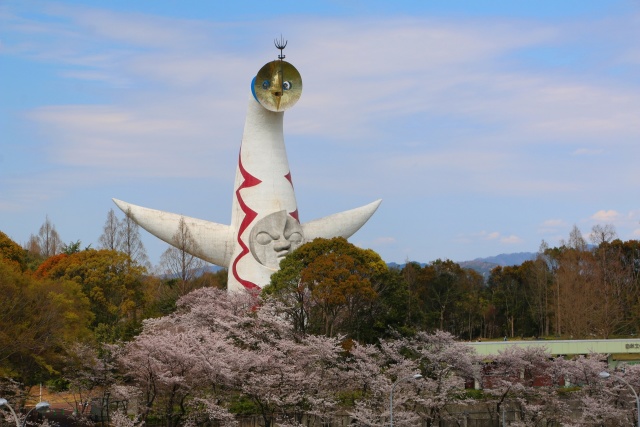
{"x":389,"y":313}
{"x":444,"y":289}
{"x":412,"y":312}
{"x":329,"y":287}
{"x":507,"y":288}
{"x":628,"y":264}
{"x":467,"y":313}
{"x":11,"y":252}
{"x":40,"y":319}
{"x":73,"y":247}
{"x":445,"y":296}
{"x":113,"y":284}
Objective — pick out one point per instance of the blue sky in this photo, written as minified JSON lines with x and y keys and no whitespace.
{"x":485,"y":126}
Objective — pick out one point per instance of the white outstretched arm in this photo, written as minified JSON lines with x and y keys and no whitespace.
{"x":343,"y":224}
{"x":214,"y":242}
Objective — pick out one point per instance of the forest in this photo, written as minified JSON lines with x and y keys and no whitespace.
{"x":334,"y":332}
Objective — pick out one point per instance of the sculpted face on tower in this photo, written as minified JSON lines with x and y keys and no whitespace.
{"x":274,"y":237}
{"x":277,"y":86}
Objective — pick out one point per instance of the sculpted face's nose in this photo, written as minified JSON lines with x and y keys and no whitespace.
{"x":276,"y":87}
{"x":281,"y":245}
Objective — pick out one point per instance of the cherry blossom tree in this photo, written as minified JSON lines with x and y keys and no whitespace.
{"x":160,"y":361}
{"x":218,"y":349}
{"x":89,"y":374}
{"x":443,"y":363}
{"x":219,"y":355}
{"x":602,"y":402}
{"x":525,"y":380}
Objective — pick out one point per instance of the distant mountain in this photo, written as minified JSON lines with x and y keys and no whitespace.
{"x":209,"y":268}
{"x":401,"y":266}
{"x":482,"y":267}
{"x":509,"y":259}
{"x":485,"y":265}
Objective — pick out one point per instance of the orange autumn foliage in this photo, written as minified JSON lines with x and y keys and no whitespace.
{"x":49,"y":264}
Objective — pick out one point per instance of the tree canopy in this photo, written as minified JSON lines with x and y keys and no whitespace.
{"x":40,"y":319}
{"x":11,"y":252}
{"x":111,"y":282}
{"x":330,"y":287}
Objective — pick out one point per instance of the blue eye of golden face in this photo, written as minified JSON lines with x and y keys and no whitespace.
{"x":286,"y":85}
{"x":266,"y":84}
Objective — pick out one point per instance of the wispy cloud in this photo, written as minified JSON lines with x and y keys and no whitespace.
{"x":624,"y":223}
{"x":606,"y":216}
{"x":139,"y":141}
{"x":511,"y":240}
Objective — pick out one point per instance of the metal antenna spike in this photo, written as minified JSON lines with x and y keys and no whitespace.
{"x":280,"y":44}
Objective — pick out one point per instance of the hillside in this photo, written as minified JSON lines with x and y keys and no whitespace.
{"x":485,"y":265}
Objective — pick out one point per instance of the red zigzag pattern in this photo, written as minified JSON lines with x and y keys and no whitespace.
{"x":249,"y":215}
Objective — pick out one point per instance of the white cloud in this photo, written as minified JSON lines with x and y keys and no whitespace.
{"x":134,"y":141}
{"x":606,"y":216}
{"x":511,"y":239}
{"x":481,"y":235}
{"x":131,"y":28}
{"x":497,"y":236}
{"x":439,"y":68}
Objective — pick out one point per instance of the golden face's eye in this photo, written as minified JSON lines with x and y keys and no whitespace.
{"x":277,"y":86}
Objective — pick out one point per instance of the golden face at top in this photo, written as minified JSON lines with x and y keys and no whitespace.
{"x":277,"y":85}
